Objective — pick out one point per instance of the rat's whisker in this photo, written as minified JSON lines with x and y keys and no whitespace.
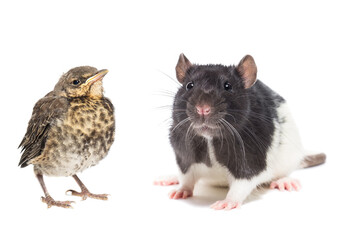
{"x":173,"y":80}
{"x":180,"y":123}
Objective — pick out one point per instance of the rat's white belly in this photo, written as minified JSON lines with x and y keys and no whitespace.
{"x":216,"y":175}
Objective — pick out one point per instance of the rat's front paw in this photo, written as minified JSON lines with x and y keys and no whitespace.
{"x":226,"y":205}
{"x":180,"y":193}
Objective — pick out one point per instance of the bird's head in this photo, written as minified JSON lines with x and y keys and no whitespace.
{"x":82,"y":81}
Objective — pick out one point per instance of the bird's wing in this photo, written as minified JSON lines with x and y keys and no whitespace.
{"x":108,"y":105}
{"x":46,"y":111}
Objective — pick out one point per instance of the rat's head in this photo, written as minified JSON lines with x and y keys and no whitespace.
{"x":214,"y":97}
{"x":82,"y":81}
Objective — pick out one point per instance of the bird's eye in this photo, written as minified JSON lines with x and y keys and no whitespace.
{"x":76,"y":82}
{"x":227,"y":86}
{"x":189,"y":86}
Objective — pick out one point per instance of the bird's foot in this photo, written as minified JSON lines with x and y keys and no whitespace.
{"x":166,"y":181}
{"x":51,"y":202}
{"x":84,"y":194}
{"x":226,"y":205}
{"x":180,"y":193}
{"x":286,"y":183}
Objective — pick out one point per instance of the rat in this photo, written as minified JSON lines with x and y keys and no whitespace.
{"x":230,"y":129}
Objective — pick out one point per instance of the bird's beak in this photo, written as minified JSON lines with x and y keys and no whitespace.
{"x":98,"y":76}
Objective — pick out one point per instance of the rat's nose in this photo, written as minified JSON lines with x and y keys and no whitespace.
{"x":203,"y":110}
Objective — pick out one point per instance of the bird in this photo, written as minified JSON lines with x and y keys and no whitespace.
{"x":71,"y":129}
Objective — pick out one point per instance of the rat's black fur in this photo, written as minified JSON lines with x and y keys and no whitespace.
{"x":241,"y":122}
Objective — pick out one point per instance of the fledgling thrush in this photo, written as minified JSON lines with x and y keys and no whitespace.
{"x":71,"y":128}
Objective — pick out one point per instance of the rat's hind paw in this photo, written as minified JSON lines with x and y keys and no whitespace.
{"x":286,"y":183}
{"x":166,"y":181}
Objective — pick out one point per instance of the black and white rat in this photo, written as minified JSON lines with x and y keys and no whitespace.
{"x":231,"y":129}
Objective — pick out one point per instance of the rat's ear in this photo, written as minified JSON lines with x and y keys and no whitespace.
{"x":247,"y":70}
{"x":181,"y":68}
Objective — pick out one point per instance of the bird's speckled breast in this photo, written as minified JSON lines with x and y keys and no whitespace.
{"x":81,"y":139}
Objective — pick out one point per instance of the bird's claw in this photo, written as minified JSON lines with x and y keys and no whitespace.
{"x":84,"y":194}
{"x":51,"y":202}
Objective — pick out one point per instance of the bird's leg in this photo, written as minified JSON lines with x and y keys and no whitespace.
{"x":85,"y":192}
{"x":48,"y":199}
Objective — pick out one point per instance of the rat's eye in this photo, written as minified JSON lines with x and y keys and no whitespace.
{"x":227,"y":86}
{"x":189,"y":86}
{"x":75,"y":82}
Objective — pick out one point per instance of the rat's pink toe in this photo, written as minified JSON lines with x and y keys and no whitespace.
{"x":172,"y":194}
{"x":288,"y":186}
{"x":296,"y":185}
{"x":273,"y":185}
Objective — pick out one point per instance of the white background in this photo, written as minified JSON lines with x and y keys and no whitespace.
{"x":307,"y":51}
